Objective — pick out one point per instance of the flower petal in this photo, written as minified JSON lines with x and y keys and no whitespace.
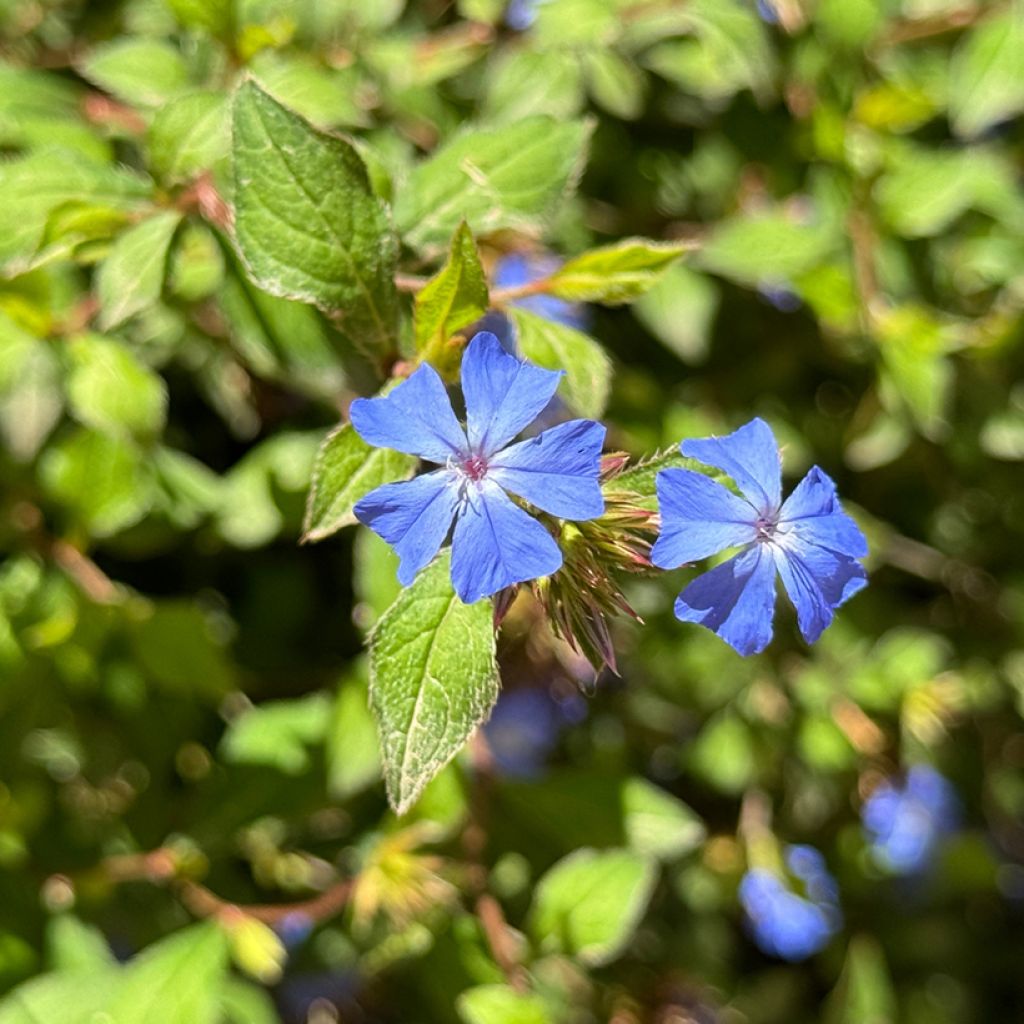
{"x":557,"y":471}
{"x":496,"y":544}
{"x":817,"y":580}
{"x":416,"y":417}
{"x":699,"y":517}
{"x":503,"y":394}
{"x":735,"y":599}
{"x":413,"y":517}
{"x":813,"y":511}
{"x":750,"y":456}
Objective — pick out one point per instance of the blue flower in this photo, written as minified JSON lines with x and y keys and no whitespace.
{"x":786,"y":923}
{"x":494,"y":542}
{"x":517,"y":269}
{"x":906,"y":821}
{"x":808,"y":539}
{"x":522,"y":731}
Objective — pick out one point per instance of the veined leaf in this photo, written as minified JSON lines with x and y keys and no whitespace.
{"x":589,"y":904}
{"x":987,"y":73}
{"x":189,"y":135}
{"x":588,"y":370}
{"x":307,"y":222}
{"x":455,"y":297}
{"x":615,"y":274}
{"x":492,"y":178}
{"x":346,"y":469}
{"x":433,"y":679}
{"x":131,"y":278}
{"x":138,"y":70}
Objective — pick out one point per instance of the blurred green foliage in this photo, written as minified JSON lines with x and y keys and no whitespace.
{"x":193,"y":826}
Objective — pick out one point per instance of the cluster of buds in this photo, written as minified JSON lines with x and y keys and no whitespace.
{"x":584,"y":595}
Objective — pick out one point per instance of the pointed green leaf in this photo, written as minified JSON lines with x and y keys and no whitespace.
{"x":177,"y":979}
{"x":189,"y":135}
{"x":510,"y":177}
{"x":278,"y":733}
{"x":865,"y":991}
{"x":987,"y":73}
{"x":433,"y":679}
{"x":590,"y":903}
{"x":141,"y":71}
{"x":616,"y":273}
{"x":131,"y":278}
{"x":455,"y":297}
{"x":588,"y":370}
{"x":109,"y":389}
{"x":346,"y":469}
{"x":502,"y":1004}
{"x":307,"y":222}
{"x":38,"y":185}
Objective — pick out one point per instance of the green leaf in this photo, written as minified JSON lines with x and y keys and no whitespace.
{"x":189,"y":135}
{"x":986,"y":76}
{"x":101,"y":480}
{"x":73,"y":945}
{"x":307,"y":222}
{"x":353,"y":751}
{"x":511,"y":177}
{"x":38,"y":185}
{"x":138,"y":70}
{"x":590,"y":903}
{"x":180,"y":648}
{"x":278,"y":339}
{"x":374,"y":577}
{"x":454,"y":298}
{"x":433,"y":679}
{"x":109,"y":389}
{"x":501,"y":1004}
{"x":323,"y":96}
{"x":177,"y":979}
{"x":615,"y":274}
{"x":213,"y":16}
{"x":724,"y":753}
{"x":864,"y":992}
{"x":616,"y":84}
{"x":31,"y":397}
{"x":278,"y":733}
{"x":347,"y":469}
{"x":244,"y":1003}
{"x":555,"y":346}
{"x":525,"y":83}
{"x":258,"y":489}
{"x":765,"y":248}
{"x":657,"y":824}
{"x":131,"y":278}
{"x":680,"y":311}
{"x":72,"y":997}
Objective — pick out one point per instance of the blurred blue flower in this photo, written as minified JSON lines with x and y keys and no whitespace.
{"x":522,"y":731}
{"x":494,"y":542}
{"x":517,"y":269}
{"x":906,"y":821}
{"x":809,"y":540}
{"x":521,"y":14}
{"x":792,"y":918}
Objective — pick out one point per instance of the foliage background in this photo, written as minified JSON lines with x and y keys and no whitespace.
{"x":183,"y":693}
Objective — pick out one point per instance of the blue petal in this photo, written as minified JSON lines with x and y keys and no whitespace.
{"x":735,"y":599}
{"x":503,"y":394}
{"x":416,"y":417}
{"x":557,"y":471}
{"x":413,"y":517}
{"x":817,"y":580}
{"x":698,"y":518}
{"x":750,"y":456}
{"x":496,"y":544}
{"x":813,"y":510}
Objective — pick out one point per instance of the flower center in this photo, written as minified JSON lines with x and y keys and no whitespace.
{"x":474,"y":467}
{"x":766,"y":526}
